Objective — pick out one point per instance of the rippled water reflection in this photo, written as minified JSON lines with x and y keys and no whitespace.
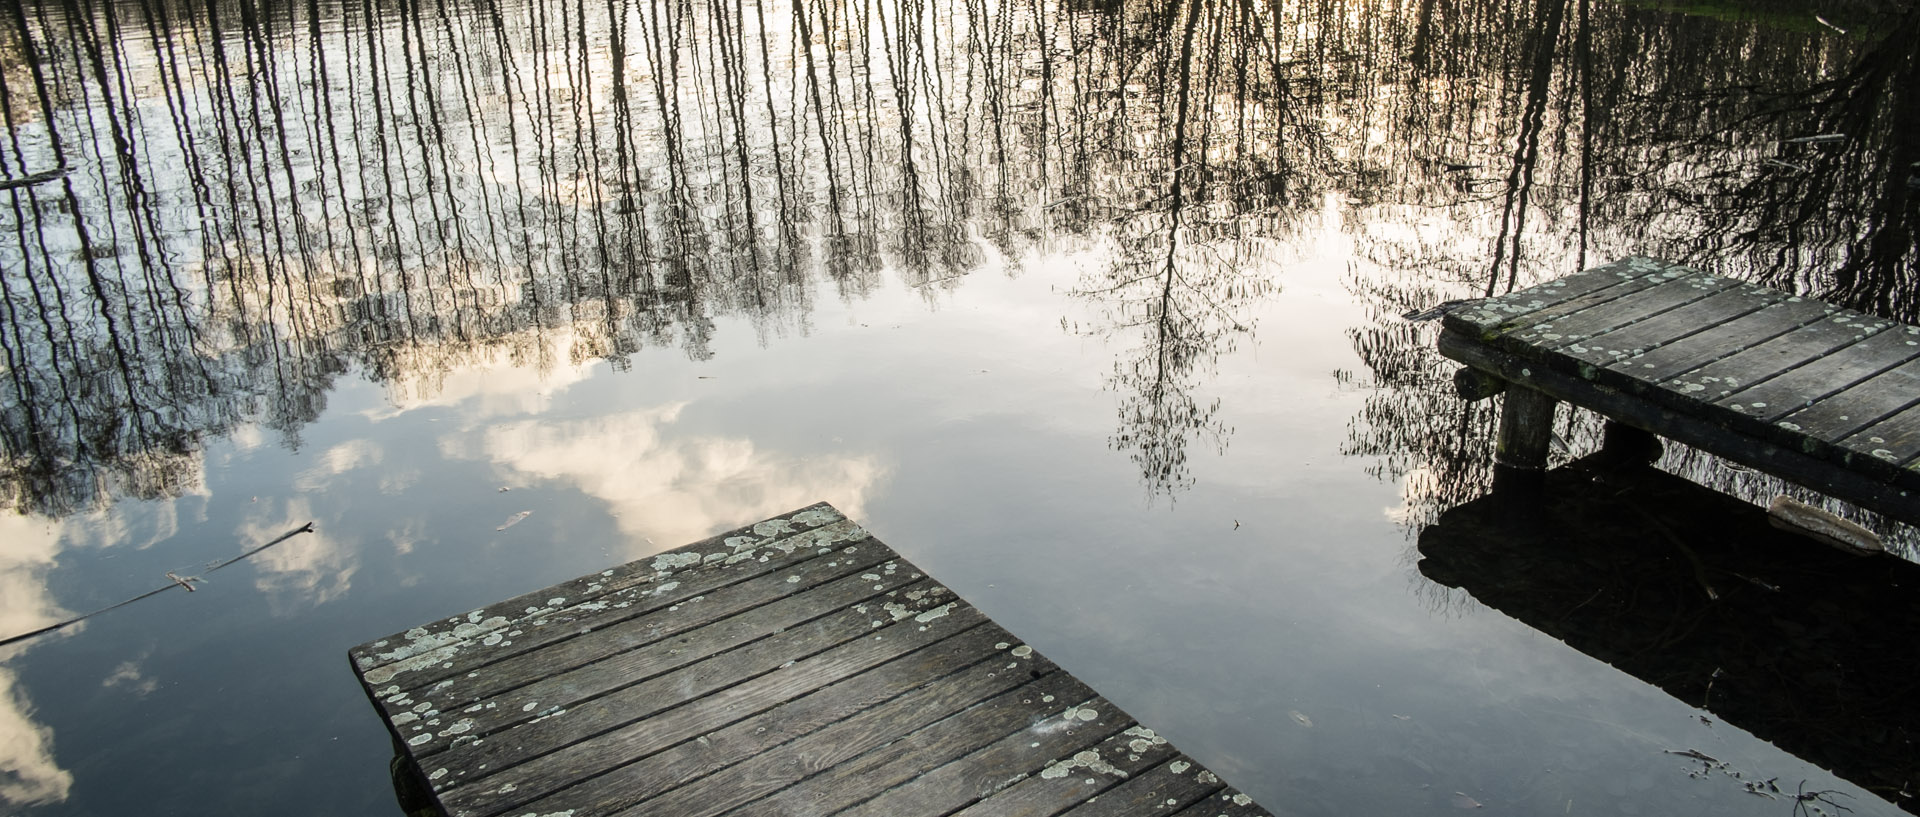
{"x":1089,"y":308}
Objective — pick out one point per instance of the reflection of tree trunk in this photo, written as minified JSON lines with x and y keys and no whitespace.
{"x":1513,"y":215}
{"x":1880,"y":267}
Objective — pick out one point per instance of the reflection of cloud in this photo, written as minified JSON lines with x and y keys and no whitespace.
{"x":128,"y":675}
{"x":336,"y":461}
{"x":28,"y":546}
{"x":494,"y":382}
{"x":28,"y":774}
{"x":673,"y":489}
{"x":307,"y":570}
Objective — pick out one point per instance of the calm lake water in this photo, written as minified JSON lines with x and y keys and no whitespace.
{"x":1091,"y":309}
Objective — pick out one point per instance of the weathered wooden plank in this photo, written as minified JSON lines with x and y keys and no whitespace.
{"x":996,"y":766}
{"x":1034,"y":710}
{"x":635,"y":703}
{"x":1503,"y":332}
{"x":1626,"y":310}
{"x":1661,"y":362}
{"x":1852,"y":482}
{"x":584,"y":589}
{"x":729,"y":616}
{"x":1489,"y":315}
{"x":1073,"y":779}
{"x":1158,"y":790}
{"x":839,"y":746}
{"x":1227,"y":802}
{"x":643,"y":760}
{"x":525,"y":694}
{"x":1771,"y":397}
{"x":1862,"y":404}
{"x":826,"y":679}
{"x":1757,"y":363}
{"x":1895,"y":440}
{"x":1607,"y":347}
{"x":425,"y":657}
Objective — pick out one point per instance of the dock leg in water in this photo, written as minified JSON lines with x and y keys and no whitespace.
{"x":1526,"y":428}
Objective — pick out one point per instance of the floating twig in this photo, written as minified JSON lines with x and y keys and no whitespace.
{"x":173,"y":582}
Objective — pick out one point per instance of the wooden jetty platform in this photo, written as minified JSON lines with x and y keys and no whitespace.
{"x":796,"y":666}
{"x":1824,"y":396}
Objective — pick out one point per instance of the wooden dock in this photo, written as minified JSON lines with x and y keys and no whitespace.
{"x":793,"y":667}
{"x":1802,"y":389}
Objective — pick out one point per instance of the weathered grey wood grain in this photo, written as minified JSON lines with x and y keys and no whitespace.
{"x":1516,"y":320}
{"x":584,"y":589}
{"x":588,"y":587}
{"x":1771,"y":397}
{"x":1075,"y":778}
{"x":634,"y":703}
{"x":814,"y":615}
{"x":1490,"y":315}
{"x":1877,"y":490}
{"x":1652,"y":359}
{"x":1526,"y":429}
{"x":1159,"y":790}
{"x":634,"y":763}
{"x":1761,"y":362}
{"x":996,"y":766}
{"x":796,"y":672}
{"x":1625,"y":310}
{"x":1034,"y":710}
{"x":425,"y":658}
{"x":1636,"y":338}
{"x":1895,"y":440}
{"x":1858,"y":406}
{"x":863,"y":745}
{"x":1227,"y":802}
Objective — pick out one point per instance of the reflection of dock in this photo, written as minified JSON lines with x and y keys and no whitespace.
{"x":1805,"y":646}
{"x":797,"y":666}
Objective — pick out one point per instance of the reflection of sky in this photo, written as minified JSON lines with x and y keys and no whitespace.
{"x":28,"y":548}
{"x":971,"y":430}
{"x":972,"y":436}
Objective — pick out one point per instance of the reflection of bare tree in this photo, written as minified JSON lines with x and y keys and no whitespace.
{"x":1824,"y":197}
{"x":1227,"y":163}
{"x":1580,"y":150}
{"x":242,"y":203}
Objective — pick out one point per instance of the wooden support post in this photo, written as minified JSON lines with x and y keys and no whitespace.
{"x":1474,"y":385}
{"x":1526,"y":429}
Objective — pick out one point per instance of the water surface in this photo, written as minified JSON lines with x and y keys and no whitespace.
{"x":1090,"y":309}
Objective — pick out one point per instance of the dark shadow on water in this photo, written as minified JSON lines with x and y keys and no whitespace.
{"x":1692,"y":591}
